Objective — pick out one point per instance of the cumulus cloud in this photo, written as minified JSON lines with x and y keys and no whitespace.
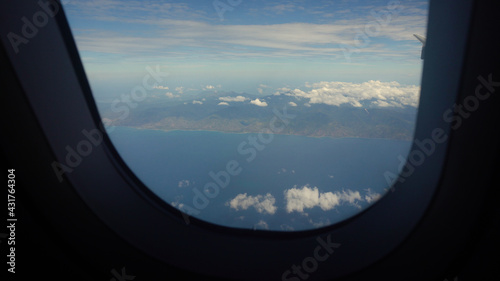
{"x":292,"y":104}
{"x":197,"y":102}
{"x":298,"y":199}
{"x":284,"y":171}
{"x":160,"y":87}
{"x":376,"y":93}
{"x":177,"y":205}
{"x":180,"y":90}
{"x":279,"y":91}
{"x":372,"y":196}
{"x":263,"y":204}
{"x":257,"y":102}
{"x":320,"y":223}
{"x":261,"y":224}
{"x":170,"y":95}
{"x":183,"y":183}
{"x":223,"y":103}
{"x":209,"y":87}
{"x":233,"y":99}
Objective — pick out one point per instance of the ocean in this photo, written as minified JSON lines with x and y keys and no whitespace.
{"x":273,"y":182}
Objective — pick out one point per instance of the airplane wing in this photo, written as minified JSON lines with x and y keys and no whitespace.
{"x":421,"y":39}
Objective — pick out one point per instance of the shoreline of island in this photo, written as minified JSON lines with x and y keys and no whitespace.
{"x":242,"y":133}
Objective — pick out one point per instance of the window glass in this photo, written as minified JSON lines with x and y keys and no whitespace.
{"x":274,"y":115}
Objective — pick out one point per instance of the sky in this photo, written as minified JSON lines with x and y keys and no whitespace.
{"x":254,"y":47}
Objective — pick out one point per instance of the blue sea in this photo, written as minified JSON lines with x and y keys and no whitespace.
{"x":274,"y":182}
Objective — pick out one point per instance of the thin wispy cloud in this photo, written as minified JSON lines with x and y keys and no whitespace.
{"x":171,"y":95}
{"x":233,"y":99}
{"x":175,"y":28}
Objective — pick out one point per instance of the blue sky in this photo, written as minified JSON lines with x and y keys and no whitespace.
{"x":273,"y":43}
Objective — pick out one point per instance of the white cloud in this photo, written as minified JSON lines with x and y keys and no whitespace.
{"x":263,"y":204}
{"x":160,"y":87}
{"x":177,"y":205}
{"x":257,"y":102}
{"x":209,"y":87}
{"x":282,"y":8}
{"x":286,"y":227}
{"x":233,"y":99}
{"x":184,"y":25}
{"x":197,"y":102}
{"x":298,"y":199}
{"x":261,"y":224}
{"x":376,"y":93}
{"x":183,"y":183}
{"x":372,"y":196}
{"x":282,"y":90}
{"x":320,"y":223}
{"x":170,"y":95}
{"x":282,"y":170}
{"x":180,"y":90}
{"x":292,"y":104}
{"x":351,"y":197}
{"x":261,"y":88}
{"x":223,"y":103}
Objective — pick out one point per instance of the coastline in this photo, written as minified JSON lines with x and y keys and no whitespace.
{"x":280,"y":134}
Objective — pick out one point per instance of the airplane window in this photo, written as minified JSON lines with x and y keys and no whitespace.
{"x":282,"y":115}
